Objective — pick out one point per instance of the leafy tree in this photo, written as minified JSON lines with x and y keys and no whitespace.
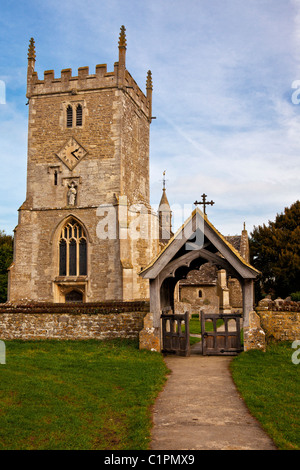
{"x":275,"y":251}
{"x":6,"y":257}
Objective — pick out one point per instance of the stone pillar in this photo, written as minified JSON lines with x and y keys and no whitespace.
{"x":155,"y":301}
{"x":254,"y":335}
{"x":223,"y":292}
{"x":149,"y":336}
{"x":248,"y":300}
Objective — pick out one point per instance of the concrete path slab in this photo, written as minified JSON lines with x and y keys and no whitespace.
{"x":200,"y":409}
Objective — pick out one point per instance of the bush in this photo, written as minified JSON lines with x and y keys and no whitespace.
{"x":6,"y":257}
{"x":295,"y":296}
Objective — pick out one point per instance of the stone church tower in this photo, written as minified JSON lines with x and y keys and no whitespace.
{"x":87,"y":185}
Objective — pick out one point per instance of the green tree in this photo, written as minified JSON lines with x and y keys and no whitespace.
{"x":6,"y":257}
{"x":275,"y":251}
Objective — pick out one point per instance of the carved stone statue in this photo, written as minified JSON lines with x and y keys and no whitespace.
{"x":72,"y":194}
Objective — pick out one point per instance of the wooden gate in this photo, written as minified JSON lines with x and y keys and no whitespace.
{"x":175,"y":334}
{"x":224,"y":341}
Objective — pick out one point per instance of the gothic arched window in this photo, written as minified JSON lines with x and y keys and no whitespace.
{"x":69,"y":116}
{"x":79,"y":115}
{"x":72,"y":250}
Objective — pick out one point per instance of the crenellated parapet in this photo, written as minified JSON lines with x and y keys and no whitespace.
{"x":102,"y":79}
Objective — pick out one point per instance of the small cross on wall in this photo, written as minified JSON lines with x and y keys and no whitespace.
{"x":204,"y":202}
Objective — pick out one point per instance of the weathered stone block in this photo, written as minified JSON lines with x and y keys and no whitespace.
{"x":254,"y":335}
{"x":149,"y":337}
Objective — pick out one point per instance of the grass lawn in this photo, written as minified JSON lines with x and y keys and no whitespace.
{"x":88,"y":395}
{"x":270,"y":386}
{"x":94,"y":395}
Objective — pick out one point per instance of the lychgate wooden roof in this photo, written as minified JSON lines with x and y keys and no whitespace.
{"x":198,"y":239}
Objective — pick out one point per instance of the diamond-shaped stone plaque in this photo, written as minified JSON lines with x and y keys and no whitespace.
{"x":71,"y":153}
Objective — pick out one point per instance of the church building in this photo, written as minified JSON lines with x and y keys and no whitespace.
{"x":86,"y":231}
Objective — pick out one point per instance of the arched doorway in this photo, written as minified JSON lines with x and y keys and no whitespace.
{"x":74,"y":296}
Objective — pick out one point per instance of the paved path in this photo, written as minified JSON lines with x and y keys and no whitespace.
{"x":200,"y":409}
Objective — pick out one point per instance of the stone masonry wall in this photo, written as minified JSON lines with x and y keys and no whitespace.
{"x":72,"y":321}
{"x":280,"y":319}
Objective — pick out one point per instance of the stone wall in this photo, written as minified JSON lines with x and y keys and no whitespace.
{"x":106,"y":320}
{"x":280,"y":319}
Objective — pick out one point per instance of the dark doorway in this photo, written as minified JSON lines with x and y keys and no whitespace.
{"x":74,"y":296}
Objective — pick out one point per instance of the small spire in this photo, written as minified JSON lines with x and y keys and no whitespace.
{"x":164,"y":199}
{"x":149,"y":88}
{"x":31,"y":49}
{"x":122,"y":39}
{"x":164,"y":215}
{"x":149,"y":85}
{"x":122,"y":58}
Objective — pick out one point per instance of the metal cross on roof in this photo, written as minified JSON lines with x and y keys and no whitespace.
{"x":164,"y":180}
{"x":204,"y":202}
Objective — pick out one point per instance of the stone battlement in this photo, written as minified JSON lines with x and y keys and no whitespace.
{"x":70,"y":84}
{"x":67,"y":83}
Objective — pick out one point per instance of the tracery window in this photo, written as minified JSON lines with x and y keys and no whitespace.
{"x":79,"y":115}
{"x":69,"y":116}
{"x":72,"y":250}
{"x":74,"y":115}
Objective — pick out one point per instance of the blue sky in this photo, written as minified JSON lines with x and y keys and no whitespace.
{"x":223,"y":76}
